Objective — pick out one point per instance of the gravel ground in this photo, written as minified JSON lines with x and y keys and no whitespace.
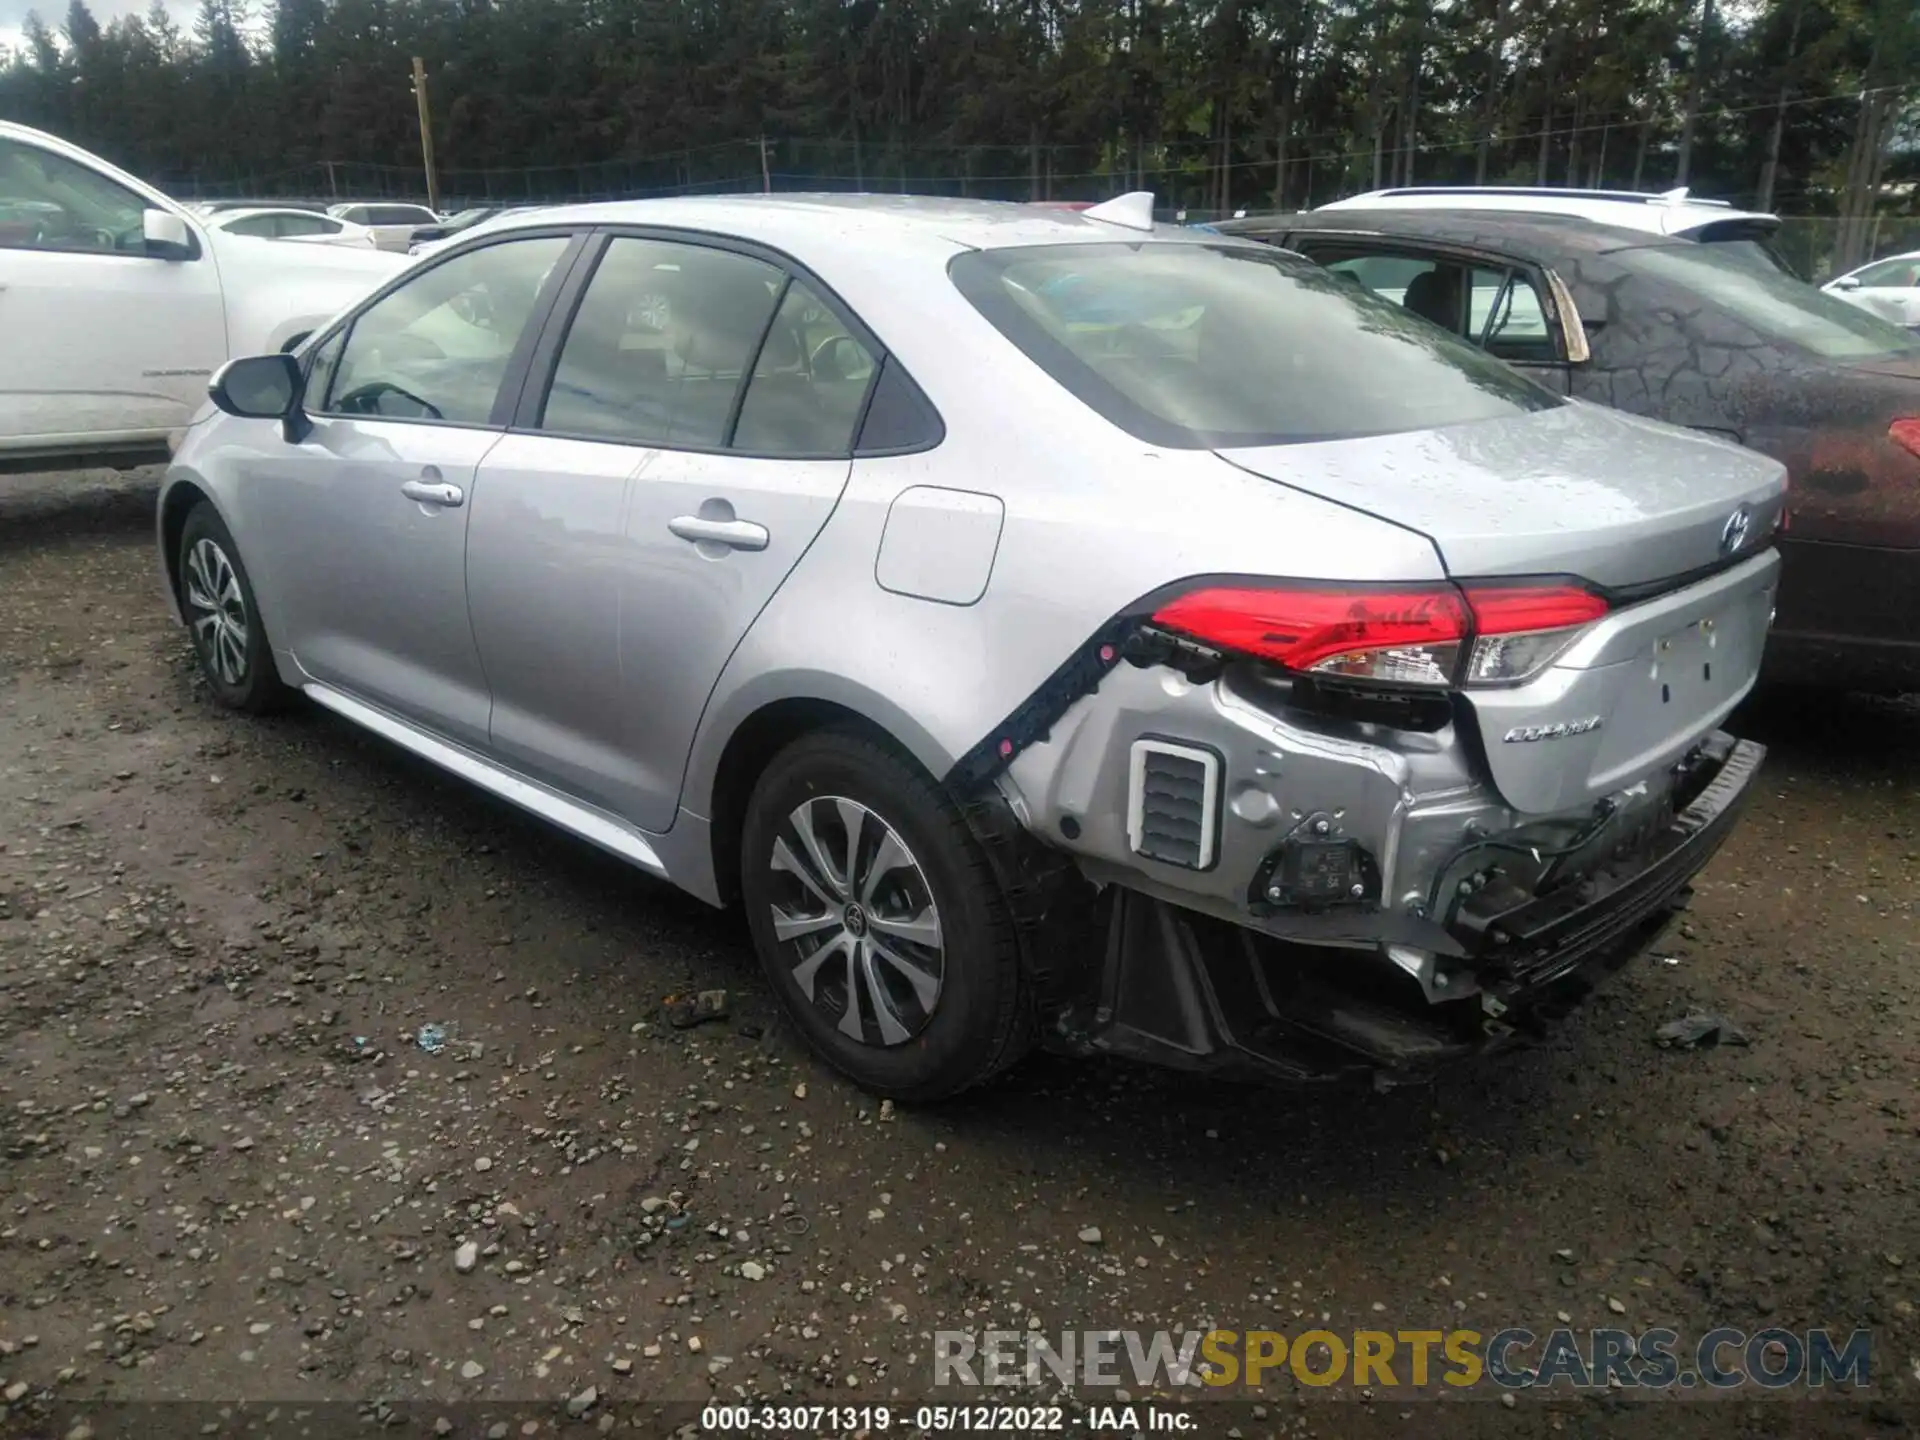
{"x":231,"y":1171}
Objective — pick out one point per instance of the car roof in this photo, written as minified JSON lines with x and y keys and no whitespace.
{"x":245,"y":210}
{"x":1539,"y":234}
{"x":1675,"y":212}
{"x":799,"y":219}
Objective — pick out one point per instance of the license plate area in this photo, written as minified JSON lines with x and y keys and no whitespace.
{"x":1699,"y":663}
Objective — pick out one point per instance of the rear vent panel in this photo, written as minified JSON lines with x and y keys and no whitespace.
{"x":1173,"y":803}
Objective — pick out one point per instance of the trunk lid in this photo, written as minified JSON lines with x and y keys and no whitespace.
{"x":1613,"y":499}
{"x":1638,"y":690}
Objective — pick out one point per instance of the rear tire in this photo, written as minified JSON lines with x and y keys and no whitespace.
{"x":879,"y":921}
{"x":216,"y":598}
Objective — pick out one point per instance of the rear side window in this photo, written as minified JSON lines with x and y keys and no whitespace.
{"x":808,"y":383}
{"x":1495,"y":307}
{"x":661,"y":344}
{"x":1215,"y":346}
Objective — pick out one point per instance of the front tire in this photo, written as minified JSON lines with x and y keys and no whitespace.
{"x":879,"y":921}
{"x":216,"y":597}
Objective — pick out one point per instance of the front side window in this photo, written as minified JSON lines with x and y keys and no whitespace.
{"x":1900,"y":274}
{"x":661,"y":344}
{"x":437,"y":348}
{"x":48,"y":202}
{"x":1211,"y":346}
{"x":1779,"y":307}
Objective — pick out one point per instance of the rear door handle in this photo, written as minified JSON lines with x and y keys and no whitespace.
{"x":428,"y":492}
{"x":734,"y":534}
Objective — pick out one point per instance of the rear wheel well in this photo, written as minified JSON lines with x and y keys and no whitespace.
{"x":764,"y":734}
{"x":295,"y":342}
{"x":173,"y":520}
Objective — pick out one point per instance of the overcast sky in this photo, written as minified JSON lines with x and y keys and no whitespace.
{"x":13,"y":14}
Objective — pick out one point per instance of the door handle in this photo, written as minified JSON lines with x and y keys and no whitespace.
{"x":734,"y":534}
{"x":428,"y":492}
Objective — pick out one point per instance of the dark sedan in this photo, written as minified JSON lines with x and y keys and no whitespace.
{"x":1705,"y":336}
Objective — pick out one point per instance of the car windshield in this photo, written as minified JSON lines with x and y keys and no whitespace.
{"x":1781,"y":308}
{"x":1205,"y":346}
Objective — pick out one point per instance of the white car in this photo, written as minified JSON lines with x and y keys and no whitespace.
{"x":1673,"y":212}
{"x":1889,"y":288}
{"x":301,"y":226}
{"x":117,"y":305}
{"x":392,"y":225}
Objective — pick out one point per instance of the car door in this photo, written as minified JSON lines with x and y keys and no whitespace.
{"x":100,"y":340}
{"x":363,"y":521}
{"x":1499,"y":303}
{"x":686,"y":433}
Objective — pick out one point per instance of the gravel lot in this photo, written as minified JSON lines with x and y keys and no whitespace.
{"x":230,"y":1170}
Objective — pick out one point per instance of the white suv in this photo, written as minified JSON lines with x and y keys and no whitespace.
{"x":1674,"y":212}
{"x":117,"y":305}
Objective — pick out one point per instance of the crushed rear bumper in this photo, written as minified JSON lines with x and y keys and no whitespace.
{"x":1176,"y":987}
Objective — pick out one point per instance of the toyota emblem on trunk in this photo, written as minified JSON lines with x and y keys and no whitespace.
{"x":1734,"y":533}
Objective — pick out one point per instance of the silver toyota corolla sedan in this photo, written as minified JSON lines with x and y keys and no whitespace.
{"x":1050,"y":627}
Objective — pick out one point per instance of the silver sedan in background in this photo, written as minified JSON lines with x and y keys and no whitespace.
{"x":1049,"y":626}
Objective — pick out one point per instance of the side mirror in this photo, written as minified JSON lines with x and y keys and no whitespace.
{"x":1847,"y":282}
{"x":167,"y":235}
{"x":259,"y":387}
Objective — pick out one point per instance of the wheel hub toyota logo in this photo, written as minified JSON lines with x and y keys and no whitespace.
{"x":855,"y":921}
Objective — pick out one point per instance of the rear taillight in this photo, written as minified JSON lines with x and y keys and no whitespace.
{"x":1519,"y":630}
{"x":1906,"y":434}
{"x":1435,"y":635}
{"x":1412,"y":636}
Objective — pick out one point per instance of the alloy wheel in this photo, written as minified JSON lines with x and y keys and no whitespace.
{"x":855,"y":917}
{"x":217,"y":611}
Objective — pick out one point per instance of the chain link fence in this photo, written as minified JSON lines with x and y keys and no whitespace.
{"x":1811,"y":244}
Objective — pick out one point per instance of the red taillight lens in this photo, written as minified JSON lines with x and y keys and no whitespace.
{"x":1906,"y":434}
{"x":1515,"y":609}
{"x":1394,"y":634}
{"x":1381,"y":633}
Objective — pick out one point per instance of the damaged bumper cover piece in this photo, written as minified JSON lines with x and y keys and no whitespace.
{"x":1178,"y":987}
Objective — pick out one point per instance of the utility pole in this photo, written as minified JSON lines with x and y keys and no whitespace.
{"x":766,"y":178}
{"x":426,"y":133}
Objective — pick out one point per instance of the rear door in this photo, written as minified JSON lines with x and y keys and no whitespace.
{"x":1499,"y":303}
{"x":686,"y":433}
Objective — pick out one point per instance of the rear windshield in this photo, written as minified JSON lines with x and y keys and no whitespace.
{"x":1202,"y":346}
{"x":1781,"y":308}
